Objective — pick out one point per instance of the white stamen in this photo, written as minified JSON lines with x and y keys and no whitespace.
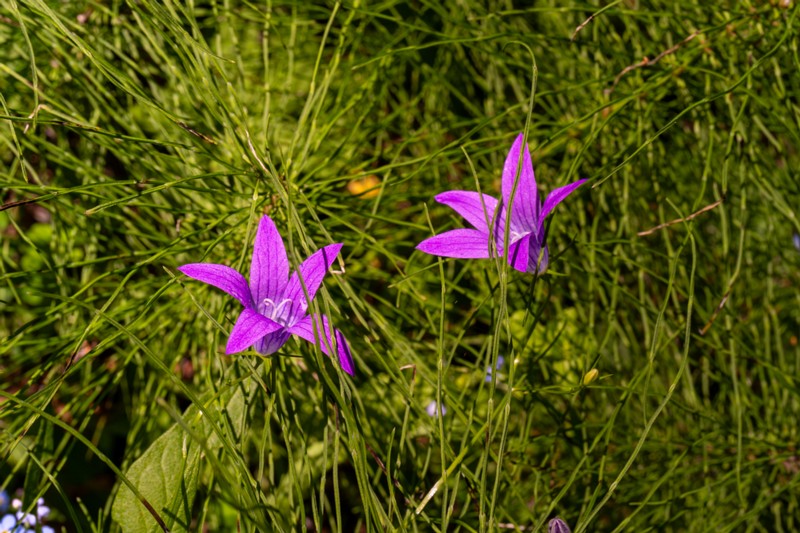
{"x":274,"y":311}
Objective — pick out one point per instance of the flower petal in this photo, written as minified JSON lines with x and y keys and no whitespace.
{"x":250,"y":327}
{"x":311,"y":273}
{"x":305,"y":330}
{"x":272,"y":342}
{"x":269,"y":269}
{"x":222,"y":277}
{"x":519,"y":252}
{"x":538,"y":258}
{"x":556,"y":197}
{"x":499,"y":230}
{"x":525,"y":211}
{"x":468,"y":204}
{"x":459,"y":243}
{"x":528,"y":255}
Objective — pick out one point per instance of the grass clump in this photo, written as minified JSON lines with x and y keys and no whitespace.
{"x":144,"y":135}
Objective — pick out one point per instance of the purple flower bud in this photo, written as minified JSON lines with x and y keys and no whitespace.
{"x":556,"y":525}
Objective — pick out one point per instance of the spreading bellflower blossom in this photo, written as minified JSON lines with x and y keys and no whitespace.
{"x":527,"y":251}
{"x":275,"y":305}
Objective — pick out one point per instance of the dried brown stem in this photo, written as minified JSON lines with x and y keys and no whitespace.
{"x":711,"y":320}
{"x":646,"y":62}
{"x":678,"y":220}
{"x":581,"y":26}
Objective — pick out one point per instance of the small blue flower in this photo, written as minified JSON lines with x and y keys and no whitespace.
{"x":41,"y":509}
{"x":500,"y":362}
{"x":10,"y":524}
{"x":21,"y":522}
{"x":431,"y":409}
{"x":7,"y":523}
{"x":4,"y":501}
{"x":796,"y":241}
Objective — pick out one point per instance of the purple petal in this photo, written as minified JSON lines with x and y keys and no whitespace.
{"x":525,"y":211}
{"x":468,"y":205}
{"x":556,"y":525}
{"x":222,"y":277}
{"x":311,"y":273}
{"x":538,"y":258}
{"x":250,"y":327}
{"x":269,"y":269}
{"x":272,"y":342}
{"x":556,"y":197}
{"x":459,"y":243}
{"x":305,"y":330}
{"x":528,"y":255}
{"x":499,"y":229}
{"x":519,"y":253}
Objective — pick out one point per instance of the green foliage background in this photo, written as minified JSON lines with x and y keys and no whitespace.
{"x":138,"y":136}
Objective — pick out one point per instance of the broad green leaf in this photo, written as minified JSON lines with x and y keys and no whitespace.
{"x":167,"y":473}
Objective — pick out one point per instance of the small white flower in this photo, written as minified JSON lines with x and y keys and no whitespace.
{"x":431,"y":409}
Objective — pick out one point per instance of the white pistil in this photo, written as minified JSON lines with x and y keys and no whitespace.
{"x":274,"y":311}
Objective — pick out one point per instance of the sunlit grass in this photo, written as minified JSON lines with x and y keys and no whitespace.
{"x":145,"y":135}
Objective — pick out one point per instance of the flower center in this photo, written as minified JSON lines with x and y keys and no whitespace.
{"x":276,"y":311}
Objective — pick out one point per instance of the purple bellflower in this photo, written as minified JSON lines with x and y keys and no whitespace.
{"x":527,"y":251}
{"x":275,"y":305}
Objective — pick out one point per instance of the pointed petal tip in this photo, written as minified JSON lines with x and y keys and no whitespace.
{"x":478,"y":209}
{"x":232,"y":347}
{"x":444,"y":197}
{"x":269,"y":266}
{"x":230,"y":351}
{"x":266,"y":222}
{"x":519,"y":176}
{"x":425,"y":246}
{"x":345,"y":357}
{"x":555,"y":197}
{"x":310,"y":274}
{"x":190,"y":267}
{"x":222,"y":277}
{"x":305,"y":329}
{"x":335,"y":247}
